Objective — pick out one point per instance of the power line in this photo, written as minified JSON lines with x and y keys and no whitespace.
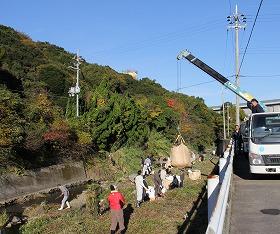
{"x":229,"y":1}
{"x":263,"y":47}
{"x":250,"y":36}
{"x":226,"y":46}
{"x":161,"y":39}
{"x":272,"y":52}
{"x":202,"y":83}
{"x":266,"y":15}
{"x":179,"y":75}
{"x":158,"y":44}
{"x":249,"y":76}
{"x":262,"y":76}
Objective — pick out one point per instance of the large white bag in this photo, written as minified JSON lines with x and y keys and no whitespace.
{"x":180,"y":156}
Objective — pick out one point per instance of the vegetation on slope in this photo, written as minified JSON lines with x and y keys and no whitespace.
{"x":38,"y":124}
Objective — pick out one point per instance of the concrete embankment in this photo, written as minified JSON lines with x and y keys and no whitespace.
{"x":14,"y":186}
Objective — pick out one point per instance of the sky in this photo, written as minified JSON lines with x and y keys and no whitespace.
{"x":148,"y":35}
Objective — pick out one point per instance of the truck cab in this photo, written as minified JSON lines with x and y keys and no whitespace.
{"x":262,"y":141}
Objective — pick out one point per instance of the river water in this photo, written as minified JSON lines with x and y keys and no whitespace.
{"x":17,"y":207}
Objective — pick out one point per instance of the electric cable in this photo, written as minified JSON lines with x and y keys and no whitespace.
{"x":163,"y":38}
{"x":262,"y":76}
{"x":198,"y":84}
{"x":177,"y":89}
{"x":229,"y":1}
{"x":250,"y":37}
{"x":225,"y":58}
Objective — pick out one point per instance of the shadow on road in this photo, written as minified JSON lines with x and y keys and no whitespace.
{"x":241,"y":167}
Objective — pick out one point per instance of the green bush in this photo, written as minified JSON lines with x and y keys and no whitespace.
{"x":128,"y":159}
{"x":158,"y":145}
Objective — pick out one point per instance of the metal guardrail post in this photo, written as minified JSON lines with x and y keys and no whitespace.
{"x":212,"y":193}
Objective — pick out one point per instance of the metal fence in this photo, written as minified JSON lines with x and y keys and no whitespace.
{"x":218,"y":194}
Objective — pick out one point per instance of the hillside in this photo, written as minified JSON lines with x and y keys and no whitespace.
{"x":37,"y":117}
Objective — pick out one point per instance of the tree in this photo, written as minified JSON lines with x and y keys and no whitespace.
{"x":158,"y":145}
{"x":40,"y":127}
{"x":114,"y":119}
{"x":11,"y":124}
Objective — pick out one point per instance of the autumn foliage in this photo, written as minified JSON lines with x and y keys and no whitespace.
{"x":38,"y":122}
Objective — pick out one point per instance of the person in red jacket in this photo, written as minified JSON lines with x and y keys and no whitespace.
{"x":116,"y":202}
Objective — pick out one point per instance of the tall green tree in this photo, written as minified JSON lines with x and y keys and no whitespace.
{"x":11,"y":125}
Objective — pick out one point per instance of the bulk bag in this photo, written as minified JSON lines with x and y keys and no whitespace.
{"x":180,"y":156}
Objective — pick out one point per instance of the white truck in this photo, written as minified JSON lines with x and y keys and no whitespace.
{"x":261,"y":133}
{"x":262,"y":142}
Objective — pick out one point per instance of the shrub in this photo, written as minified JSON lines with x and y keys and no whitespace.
{"x":158,"y":145}
{"x":93,"y":197}
{"x":128,"y":159}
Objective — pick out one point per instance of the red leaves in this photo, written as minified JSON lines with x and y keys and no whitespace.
{"x":59,"y":132}
{"x":56,"y":135}
{"x":170,"y":103}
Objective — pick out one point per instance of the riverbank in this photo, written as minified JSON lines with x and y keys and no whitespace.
{"x":167,"y":215}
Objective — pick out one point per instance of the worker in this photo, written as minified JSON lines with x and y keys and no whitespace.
{"x":237,"y":140}
{"x":65,"y":194}
{"x":145,"y":170}
{"x":175,"y":182}
{"x":139,"y":183}
{"x":147,"y":166}
{"x":182,"y":178}
{"x":162,"y":173}
{"x":254,"y":106}
{"x":148,"y":161}
{"x":157,"y":183}
{"x":116,"y":202}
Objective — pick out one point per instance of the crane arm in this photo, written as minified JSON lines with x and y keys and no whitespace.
{"x":217,"y":76}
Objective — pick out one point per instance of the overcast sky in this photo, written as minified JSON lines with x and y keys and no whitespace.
{"x":147,"y":36}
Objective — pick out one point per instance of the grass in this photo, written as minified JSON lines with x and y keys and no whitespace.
{"x":37,"y":225}
{"x":3,"y":219}
{"x":160,"y":216}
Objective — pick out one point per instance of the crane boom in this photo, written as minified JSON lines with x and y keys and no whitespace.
{"x":217,"y":76}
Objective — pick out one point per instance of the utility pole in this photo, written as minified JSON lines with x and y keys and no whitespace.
{"x":237,"y":21}
{"x":76,"y":89}
{"x":228,"y":118}
{"x":224,"y":117}
{"x":227,"y":104}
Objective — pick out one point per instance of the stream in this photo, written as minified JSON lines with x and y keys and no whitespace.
{"x":17,"y":206}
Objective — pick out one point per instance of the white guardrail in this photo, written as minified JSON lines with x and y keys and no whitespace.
{"x":218,"y":193}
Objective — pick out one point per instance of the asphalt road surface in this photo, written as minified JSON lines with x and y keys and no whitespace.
{"x":255,"y":201}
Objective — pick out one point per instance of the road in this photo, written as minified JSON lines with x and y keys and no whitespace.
{"x":255,"y":201}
